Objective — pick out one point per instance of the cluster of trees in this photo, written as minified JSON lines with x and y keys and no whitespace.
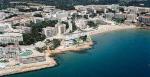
{"x":36,"y":32}
{"x":92,"y":24}
{"x":29,"y":10}
{"x":37,"y":15}
{"x":13,"y":15}
{"x":119,"y":20}
{"x":84,"y":38}
{"x":53,"y":44}
{"x":66,"y":23}
{"x":74,"y":27}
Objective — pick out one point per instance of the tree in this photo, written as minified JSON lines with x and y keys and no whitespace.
{"x":121,"y":10}
{"x":38,"y":15}
{"x":52,"y":44}
{"x":74,"y":27}
{"x":66,"y":23}
{"x":84,"y":38}
{"x":92,"y":24}
{"x":119,"y":20}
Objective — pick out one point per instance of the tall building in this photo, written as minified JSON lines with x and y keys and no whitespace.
{"x":49,"y":31}
{"x":60,"y":28}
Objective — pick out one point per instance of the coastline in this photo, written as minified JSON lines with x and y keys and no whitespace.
{"x":107,"y":28}
{"x":50,"y":62}
{"x":101,"y":29}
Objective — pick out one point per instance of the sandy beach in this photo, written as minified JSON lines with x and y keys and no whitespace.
{"x":108,"y":28}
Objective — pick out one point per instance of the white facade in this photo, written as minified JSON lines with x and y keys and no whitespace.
{"x":3,"y":15}
{"x":81,"y":23}
{"x":60,"y":28}
{"x":4,"y":27}
{"x":63,"y":15}
{"x":132,"y":17}
{"x":49,"y":31}
{"x":10,"y":38}
{"x":9,"y":52}
{"x":48,"y":8}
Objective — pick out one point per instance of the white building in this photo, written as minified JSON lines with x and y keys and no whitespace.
{"x":48,"y":8}
{"x":131,"y":17}
{"x":10,"y":38}
{"x":49,"y":31}
{"x":119,"y":15}
{"x":3,"y":15}
{"x":81,"y":23}
{"x":63,"y":15}
{"x":60,"y":28}
{"x":22,"y":29}
{"x":9,"y":52}
{"x":109,"y":16}
{"x":38,"y":19}
{"x":4,"y":27}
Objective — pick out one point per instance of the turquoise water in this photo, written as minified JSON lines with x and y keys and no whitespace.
{"x":123,"y":53}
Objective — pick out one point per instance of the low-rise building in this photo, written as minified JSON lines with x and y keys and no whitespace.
{"x":3,"y":15}
{"x":144,"y":20}
{"x":9,"y":52}
{"x":38,"y":19}
{"x":4,"y":27}
{"x":81,"y":23}
{"x":23,"y":29}
{"x":119,"y":15}
{"x":48,"y":8}
{"x":109,"y":16}
{"x":63,"y":15}
{"x":131,"y":17}
{"x":6,"y":38}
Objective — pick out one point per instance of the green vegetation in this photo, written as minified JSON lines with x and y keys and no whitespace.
{"x":84,"y":38}
{"x":38,"y":15}
{"x":66,"y":23}
{"x":92,"y":24}
{"x":11,"y":16}
{"x":74,"y":27}
{"x":76,"y":16}
{"x":52,"y":44}
{"x":119,"y":20}
{"x":14,"y":26}
{"x":93,"y":15}
{"x":85,"y":16}
{"x":41,"y":50}
{"x":4,"y":61}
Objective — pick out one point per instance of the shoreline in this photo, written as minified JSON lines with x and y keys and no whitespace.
{"x":87,"y":45}
{"x":50,"y":62}
{"x":107,"y":28}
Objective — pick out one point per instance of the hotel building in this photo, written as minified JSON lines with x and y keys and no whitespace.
{"x":10,"y":38}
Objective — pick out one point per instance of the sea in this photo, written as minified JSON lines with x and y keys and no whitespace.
{"x":124,"y":53}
